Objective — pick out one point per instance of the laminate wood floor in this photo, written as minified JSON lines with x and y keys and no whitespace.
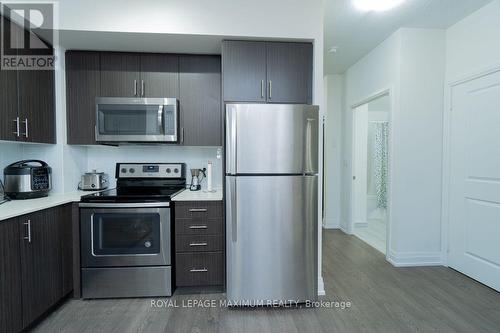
{"x":384,"y":299}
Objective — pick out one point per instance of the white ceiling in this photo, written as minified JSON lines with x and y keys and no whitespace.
{"x":355,"y":33}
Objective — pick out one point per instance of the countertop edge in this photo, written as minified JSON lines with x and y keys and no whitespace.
{"x":16,"y":208}
{"x":202,"y":195}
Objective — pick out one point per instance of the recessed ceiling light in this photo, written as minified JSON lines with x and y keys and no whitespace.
{"x":376,"y":5}
{"x":333,"y":49}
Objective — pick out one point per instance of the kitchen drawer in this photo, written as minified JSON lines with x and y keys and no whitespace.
{"x":198,"y":209}
{"x":191,"y":243}
{"x":198,"y":226}
{"x":199,"y":269}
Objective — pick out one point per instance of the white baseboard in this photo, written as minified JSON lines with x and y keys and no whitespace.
{"x":415,"y":259}
{"x":331,"y":223}
{"x":345,"y":228}
{"x":363,"y":224}
{"x":321,"y":287}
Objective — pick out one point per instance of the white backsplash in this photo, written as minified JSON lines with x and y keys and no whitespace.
{"x":9,"y":152}
{"x":104,"y":159}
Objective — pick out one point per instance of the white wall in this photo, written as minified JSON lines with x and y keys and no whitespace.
{"x":411,"y":63}
{"x":418,"y":142}
{"x":333,"y":143}
{"x":360,"y":163}
{"x":377,"y":71}
{"x":472,"y":45}
{"x":9,"y":152}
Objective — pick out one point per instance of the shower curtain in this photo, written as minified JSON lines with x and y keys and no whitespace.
{"x":380,"y":163}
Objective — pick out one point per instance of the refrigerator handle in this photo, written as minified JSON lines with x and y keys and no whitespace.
{"x":231,"y":139}
{"x":232,"y":211}
{"x":310,"y":146}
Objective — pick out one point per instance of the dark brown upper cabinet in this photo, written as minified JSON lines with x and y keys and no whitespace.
{"x":83,"y":85}
{"x":244,"y":70}
{"x":159,"y":75}
{"x":120,"y":74}
{"x":268,"y":72}
{"x":193,"y":79}
{"x":289,"y":73}
{"x":27,"y":102}
{"x":37,"y":105}
{"x":200,"y":100}
{"x":139,"y":75}
{"x":8,"y":105}
{"x":8,"y":96}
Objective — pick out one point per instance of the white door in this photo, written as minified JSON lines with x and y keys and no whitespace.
{"x":474,"y":234}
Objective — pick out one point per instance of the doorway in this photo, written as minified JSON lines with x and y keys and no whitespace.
{"x":370,"y":200}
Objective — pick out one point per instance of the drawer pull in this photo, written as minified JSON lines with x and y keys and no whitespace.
{"x":198,"y":244}
{"x":202,"y":270}
{"x":197,"y":227}
{"x":197,"y":210}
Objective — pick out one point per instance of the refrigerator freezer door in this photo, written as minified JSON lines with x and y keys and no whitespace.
{"x":272,"y":139}
{"x":272,"y":239}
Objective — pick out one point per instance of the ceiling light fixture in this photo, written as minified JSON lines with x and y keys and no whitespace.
{"x":376,"y":5}
{"x":333,"y":49}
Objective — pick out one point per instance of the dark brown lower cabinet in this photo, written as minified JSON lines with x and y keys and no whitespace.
{"x":199,"y":269}
{"x":11,"y":319}
{"x":65,"y":220}
{"x":41,"y":263}
{"x":199,"y":244}
{"x":35,"y":265}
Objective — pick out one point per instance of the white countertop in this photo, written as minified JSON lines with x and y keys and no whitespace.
{"x":20,"y":207}
{"x":201,"y":195}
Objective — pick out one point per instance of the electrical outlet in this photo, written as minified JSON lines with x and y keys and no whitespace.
{"x":219,"y":153}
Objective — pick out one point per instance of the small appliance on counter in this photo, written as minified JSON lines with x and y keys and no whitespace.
{"x":27,"y":180}
{"x":94,"y":181}
{"x":3,"y":198}
{"x":197,"y":176}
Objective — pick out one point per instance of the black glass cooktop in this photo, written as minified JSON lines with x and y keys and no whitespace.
{"x":137,"y":192}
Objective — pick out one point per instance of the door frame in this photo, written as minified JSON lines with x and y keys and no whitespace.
{"x":389,"y":92}
{"x":446,"y":167}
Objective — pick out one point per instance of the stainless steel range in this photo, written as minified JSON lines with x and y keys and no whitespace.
{"x":126,"y":233}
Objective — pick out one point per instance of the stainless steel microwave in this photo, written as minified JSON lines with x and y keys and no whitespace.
{"x":123,"y":120}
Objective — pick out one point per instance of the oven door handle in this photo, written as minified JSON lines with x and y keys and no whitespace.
{"x":124,"y":205}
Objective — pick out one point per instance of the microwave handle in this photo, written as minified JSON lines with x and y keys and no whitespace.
{"x":160,"y":119}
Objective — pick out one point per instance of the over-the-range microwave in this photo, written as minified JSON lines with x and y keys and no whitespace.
{"x":136,"y":120}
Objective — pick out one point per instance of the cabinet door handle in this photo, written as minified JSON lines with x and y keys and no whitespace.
{"x":198,"y":244}
{"x":200,"y":270}
{"x":18,"y":131}
{"x":261,"y":88}
{"x":135,"y":87}
{"x":25,"y":122}
{"x":197,"y":227}
{"x":28,"y":238}
{"x":270,"y":89}
{"x":197,"y":210}
{"x":182,"y":135}
{"x":143,"y":87}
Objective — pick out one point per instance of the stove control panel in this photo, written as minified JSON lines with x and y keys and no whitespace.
{"x":152,"y":170}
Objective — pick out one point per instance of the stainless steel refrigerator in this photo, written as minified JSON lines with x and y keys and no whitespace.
{"x":271,"y":203}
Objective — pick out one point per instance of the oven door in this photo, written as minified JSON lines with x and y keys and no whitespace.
{"x":136,"y":119}
{"x":123,"y":237}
